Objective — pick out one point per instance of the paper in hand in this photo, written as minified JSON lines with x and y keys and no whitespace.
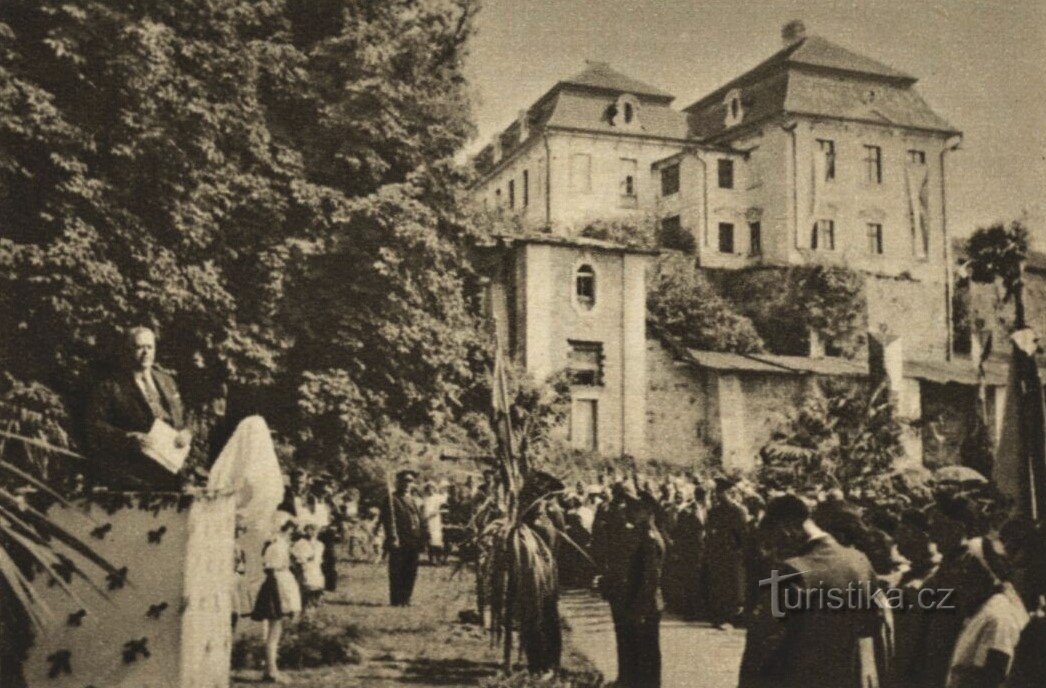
{"x":161,"y":446}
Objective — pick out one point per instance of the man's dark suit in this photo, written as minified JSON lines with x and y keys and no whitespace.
{"x":404,"y":542}
{"x":118,"y":406}
{"x":815,"y":646}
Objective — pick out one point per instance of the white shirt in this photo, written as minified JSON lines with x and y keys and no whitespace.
{"x":997,"y":625}
{"x":587,"y":515}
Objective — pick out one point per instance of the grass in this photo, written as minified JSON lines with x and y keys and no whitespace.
{"x":421,"y":645}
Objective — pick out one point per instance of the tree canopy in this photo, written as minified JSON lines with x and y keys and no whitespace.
{"x":269,"y":183}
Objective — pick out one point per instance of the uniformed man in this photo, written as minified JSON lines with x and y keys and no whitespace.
{"x":404,"y":538}
{"x":632,"y":585}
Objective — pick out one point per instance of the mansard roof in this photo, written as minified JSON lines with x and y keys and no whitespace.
{"x":814,"y":76}
{"x":600,"y":76}
{"x":580,"y":103}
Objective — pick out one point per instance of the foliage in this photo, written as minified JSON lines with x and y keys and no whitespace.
{"x":268,"y":183}
{"x":785,"y":303}
{"x":28,"y":558}
{"x":839,"y":437}
{"x":962,"y":319}
{"x":637,"y":233}
{"x":997,"y":252}
{"x":683,"y":304}
{"x":313,"y":642}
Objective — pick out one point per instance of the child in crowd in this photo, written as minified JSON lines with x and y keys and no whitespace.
{"x":279,"y":597}
{"x":308,"y":554}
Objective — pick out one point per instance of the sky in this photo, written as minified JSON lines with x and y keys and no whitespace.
{"x":981,"y":65}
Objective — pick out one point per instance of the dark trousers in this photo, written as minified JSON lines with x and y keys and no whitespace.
{"x":403,"y":571}
{"x":638,"y":650}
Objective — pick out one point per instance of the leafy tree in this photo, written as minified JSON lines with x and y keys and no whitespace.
{"x":684,"y":305}
{"x":998,"y":253}
{"x":839,"y":437}
{"x":268,"y":182}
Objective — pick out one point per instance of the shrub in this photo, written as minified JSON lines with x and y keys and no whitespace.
{"x":312,"y":643}
{"x":785,"y":303}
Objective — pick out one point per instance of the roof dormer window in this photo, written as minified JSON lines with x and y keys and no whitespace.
{"x":735,"y":111}
{"x":624,"y":112}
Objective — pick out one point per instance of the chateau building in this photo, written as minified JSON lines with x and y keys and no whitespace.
{"x":818,"y":155}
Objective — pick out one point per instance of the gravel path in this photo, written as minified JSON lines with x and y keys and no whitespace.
{"x":694,"y":655}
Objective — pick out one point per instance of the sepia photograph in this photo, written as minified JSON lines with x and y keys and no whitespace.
{"x":523,"y":343}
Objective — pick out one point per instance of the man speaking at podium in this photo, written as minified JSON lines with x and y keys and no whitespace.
{"x":136,"y":422}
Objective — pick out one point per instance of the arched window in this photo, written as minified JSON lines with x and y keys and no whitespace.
{"x":624,"y":112}
{"x":585,"y":287}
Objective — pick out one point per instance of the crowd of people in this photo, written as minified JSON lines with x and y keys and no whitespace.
{"x":701,"y":548}
{"x":962,"y":582}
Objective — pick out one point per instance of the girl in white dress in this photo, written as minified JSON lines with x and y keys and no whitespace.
{"x":432,"y":503}
{"x":279,"y":597}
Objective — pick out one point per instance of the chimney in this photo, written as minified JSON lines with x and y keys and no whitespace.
{"x":793,"y":32}
{"x":524,"y":125}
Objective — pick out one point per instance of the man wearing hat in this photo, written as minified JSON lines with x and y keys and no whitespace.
{"x":404,"y":538}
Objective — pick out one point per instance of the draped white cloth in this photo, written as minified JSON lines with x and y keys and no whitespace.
{"x":916,"y":187}
{"x":248,"y":467}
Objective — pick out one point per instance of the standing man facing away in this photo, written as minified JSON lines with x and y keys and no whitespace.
{"x":634,"y":593}
{"x":726,"y":532}
{"x":796,"y":639}
{"x":121,"y":412}
{"x":404,"y":538}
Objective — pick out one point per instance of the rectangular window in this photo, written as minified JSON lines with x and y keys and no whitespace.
{"x":497,"y":198}
{"x":873,"y":164}
{"x":584,"y":426}
{"x":726,"y":237}
{"x":526,"y":188}
{"x":827,"y":151}
{"x":755,"y":239}
{"x":670,"y":180}
{"x":511,"y":193}
{"x":581,"y":172}
{"x":726,"y":174}
{"x":629,"y":170}
{"x":823,"y":236}
{"x":875,"y":238}
{"x":585,"y":362}
{"x":917,"y":157}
